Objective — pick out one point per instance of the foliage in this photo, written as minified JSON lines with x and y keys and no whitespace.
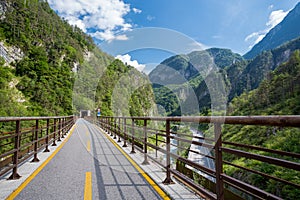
{"x":187,"y":73}
{"x":123,"y":91}
{"x":52,"y":48}
{"x":278,"y":95}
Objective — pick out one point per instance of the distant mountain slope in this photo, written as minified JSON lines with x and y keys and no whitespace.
{"x":179,"y":69}
{"x":285,"y":31}
{"x":248,"y":75}
{"x":239,"y":76}
{"x":277,"y":95}
{"x":176,"y":78}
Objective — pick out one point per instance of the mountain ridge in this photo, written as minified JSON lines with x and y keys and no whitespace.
{"x":283,"y":32}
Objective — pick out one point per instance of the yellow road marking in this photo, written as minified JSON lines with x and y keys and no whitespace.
{"x":88,"y":145}
{"x":87,"y":133}
{"x":88,"y":186}
{"x":140,"y":170}
{"x":25,"y":183}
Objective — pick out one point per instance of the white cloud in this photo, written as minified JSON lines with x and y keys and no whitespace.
{"x":105,"y":17}
{"x":135,"y":10}
{"x":126,"y":59}
{"x":275,"y":18}
{"x":150,"y":18}
{"x":76,"y":22}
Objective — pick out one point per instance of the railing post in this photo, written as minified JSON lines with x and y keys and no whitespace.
{"x":36,"y":141}
{"x":168,"y":179}
{"x":54,"y":135}
{"x":115,"y":128}
{"x":106,"y":125}
{"x":15,"y":174}
{"x":111,"y":127}
{"x":66,"y":125}
{"x":63,"y":128}
{"x":119,"y":130}
{"x":125,"y":134}
{"x":219,"y":162}
{"x":145,"y":162}
{"x":132,"y":137}
{"x":47,"y":137}
{"x":59,"y":129}
{"x":156,"y":144}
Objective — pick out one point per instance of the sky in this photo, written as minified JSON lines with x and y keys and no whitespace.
{"x":143,"y":33}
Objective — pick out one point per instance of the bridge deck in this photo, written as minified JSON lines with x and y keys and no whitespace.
{"x":90,"y":166}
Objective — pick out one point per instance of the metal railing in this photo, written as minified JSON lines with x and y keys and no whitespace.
{"x":146,"y":135}
{"x":24,"y":137}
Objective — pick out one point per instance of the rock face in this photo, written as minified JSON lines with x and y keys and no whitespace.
{"x":10,"y":54}
{"x":3,"y":9}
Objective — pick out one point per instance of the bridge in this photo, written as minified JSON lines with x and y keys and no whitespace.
{"x":137,"y":158}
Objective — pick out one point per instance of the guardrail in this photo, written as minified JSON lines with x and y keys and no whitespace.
{"x":24,"y":137}
{"x":145,"y":135}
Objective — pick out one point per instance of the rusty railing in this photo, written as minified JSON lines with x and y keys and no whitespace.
{"x":157,"y":137}
{"x":24,"y":137}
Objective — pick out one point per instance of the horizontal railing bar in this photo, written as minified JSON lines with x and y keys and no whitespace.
{"x":263,"y":174}
{"x":8,"y":153}
{"x":8,"y":119}
{"x":7,"y":169}
{"x":199,"y":140}
{"x":30,"y":141}
{"x":191,"y":182}
{"x":275,"y":161}
{"x":296,"y":155}
{"x":195,"y":165}
{"x":248,"y":188}
{"x":194,"y":142}
{"x":273,"y":120}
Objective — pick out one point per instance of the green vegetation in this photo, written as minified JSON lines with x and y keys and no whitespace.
{"x":123,"y":91}
{"x":51,"y":47}
{"x":278,"y":95}
{"x":59,"y":64}
{"x":10,"y":97}
{"x":189,"y":72}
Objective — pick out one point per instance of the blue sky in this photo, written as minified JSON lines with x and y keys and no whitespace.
{"x":233,"y":24}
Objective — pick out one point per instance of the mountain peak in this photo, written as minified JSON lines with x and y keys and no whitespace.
{"x":283,"y":32}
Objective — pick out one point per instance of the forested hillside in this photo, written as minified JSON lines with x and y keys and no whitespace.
{"x":49,"y":67}
{"x":246,"y":76}
{"x":124,"y":91}
{"x":238,"y":76}
{"x":176,"y":78}
{"x":43,"y":76}
{"x":277,"y":95}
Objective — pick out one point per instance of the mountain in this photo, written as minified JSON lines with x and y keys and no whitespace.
{"x":179,"y":69}
{"x":246,"y":76}
{"x":277,"y":95}
{"x":285,"y":31}
{"x":176,"y":78}
{"x":239,"y":76}
{"x":48,"y":67}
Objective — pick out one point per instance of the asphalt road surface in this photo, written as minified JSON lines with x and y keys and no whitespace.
{"x":88,"y":166}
